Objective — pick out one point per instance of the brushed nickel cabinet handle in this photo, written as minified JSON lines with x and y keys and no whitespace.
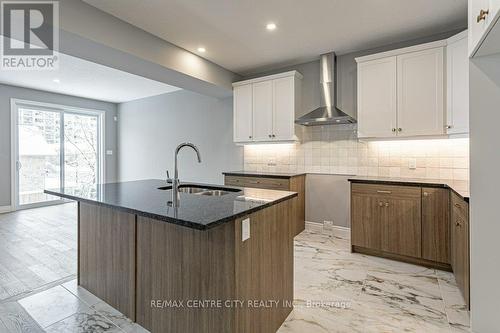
{"x":387,"y":204}
{"x":270,"y":135}
{"x":482,"y":15}
{"x":394,"y":129}
{"x":448,"y":126}
{"x":380,"y":204}
{"x":384,"y":192}
{"x":426,"y":194}
{"x":400,"y":129}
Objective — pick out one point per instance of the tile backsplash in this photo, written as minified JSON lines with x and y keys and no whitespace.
{"x":336,"y":150}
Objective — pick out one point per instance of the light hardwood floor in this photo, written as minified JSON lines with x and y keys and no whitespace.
{"x":37,"y":247}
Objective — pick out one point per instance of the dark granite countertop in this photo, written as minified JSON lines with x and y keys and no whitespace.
{"x":460,"y":187}
{"x":265,"y":174}
{"x":143,"y":198}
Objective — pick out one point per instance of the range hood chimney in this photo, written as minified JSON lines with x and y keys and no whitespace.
{"x":327,"y":113}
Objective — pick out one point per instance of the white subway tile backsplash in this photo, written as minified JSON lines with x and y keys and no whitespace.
{"x":336,"y":150}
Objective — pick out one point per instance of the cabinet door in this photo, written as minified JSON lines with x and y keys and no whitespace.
{"x":377,"y":98}
{"x":284,"y":109}
{"x":365,"y":221}
{"x":242,"y":120}
{"x":436,"y":224}
{"x":457,"y":118}
{"x":401,"y":224}
{"x":421,"y":93}
{"x":262,"y":111}
{"x":477,"y":29}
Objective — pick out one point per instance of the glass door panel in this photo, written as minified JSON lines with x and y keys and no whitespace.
{"x":81,"y":152}
{"x":39,"y":155}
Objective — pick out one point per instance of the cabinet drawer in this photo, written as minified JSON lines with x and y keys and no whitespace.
{"x":258,"y":182}
{"x":387,"y":190}
{"x":459,"y":207}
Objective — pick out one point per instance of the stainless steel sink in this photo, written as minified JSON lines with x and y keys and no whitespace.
{"x":192,"y":190}
{"x":202,"y":190}
{"x":214,"y":193}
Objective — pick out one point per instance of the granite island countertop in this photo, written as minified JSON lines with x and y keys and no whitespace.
{"x":201,"y":212}
{"x":460,"y":187}
{"x":263,"y":174}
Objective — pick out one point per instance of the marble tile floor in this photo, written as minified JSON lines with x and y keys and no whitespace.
{"x":340,"y":291}
{"x":335,"y":291}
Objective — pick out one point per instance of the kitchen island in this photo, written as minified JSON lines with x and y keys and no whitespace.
{"x":220,"y":261}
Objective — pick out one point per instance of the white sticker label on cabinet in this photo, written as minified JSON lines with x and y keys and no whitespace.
{"x":245,"y":229}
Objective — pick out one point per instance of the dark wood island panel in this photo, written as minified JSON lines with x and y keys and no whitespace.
{"x":179,"y":265}
{"x":106,"y":258}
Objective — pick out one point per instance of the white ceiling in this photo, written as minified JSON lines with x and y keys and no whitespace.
{"x":234,"y":35}
{"x":87,"y":79}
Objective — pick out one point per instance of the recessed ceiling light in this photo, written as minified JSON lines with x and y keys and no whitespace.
{"x":202,"y":49}
{"x":56,"y":80}
{"x":271,"y":26}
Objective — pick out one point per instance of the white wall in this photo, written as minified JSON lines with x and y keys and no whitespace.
{"x":8,"y":92}
{"x":151,"y":128}
{"x":485,"y":184}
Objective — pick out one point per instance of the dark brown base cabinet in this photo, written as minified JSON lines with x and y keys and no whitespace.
{"x":293,"y":183}
{"x":420,"y":225}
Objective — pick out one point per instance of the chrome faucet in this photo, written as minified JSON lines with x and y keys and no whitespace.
{"x":175,"y":180}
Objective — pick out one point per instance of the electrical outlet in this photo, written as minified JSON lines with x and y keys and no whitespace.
{"x":245,"y":229}
{"x":412,"y":163}
{"x":271,"y":162}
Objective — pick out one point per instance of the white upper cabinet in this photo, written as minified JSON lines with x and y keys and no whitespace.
{"x":265,"y":108}
{"x":457,"y":115}
{"x":262,"y":111}
{"x":420,"y":107}
{"x":484,"y":27}
{"x":283,"y":119}
{"x":377,"y":97}
{"x":242,"y":117}
{"x":401,"y":93}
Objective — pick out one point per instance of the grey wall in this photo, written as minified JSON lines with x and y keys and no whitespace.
{"x":151,"y":128}
{"x":91,"y":34}
{"x":319,"y":188}
{"x":484,"y":182}
{"x":8,"y":92}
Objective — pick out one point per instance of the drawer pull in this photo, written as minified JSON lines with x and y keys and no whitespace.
{"x":380,"y":204}
{"x":384,"y":192}
{"x":426,"y":194}
{"x":387,"y":204}
{"x":458,"y":206}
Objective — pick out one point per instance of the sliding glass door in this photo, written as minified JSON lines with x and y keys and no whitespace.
{"x":54,"y":146}
{"x":81,"y":152}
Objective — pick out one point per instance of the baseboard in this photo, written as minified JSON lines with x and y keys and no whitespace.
{"x":5,"y":209}
{"x":338,"y":231}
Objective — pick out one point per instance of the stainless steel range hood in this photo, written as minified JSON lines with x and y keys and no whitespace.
{"x":327,"y":113}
